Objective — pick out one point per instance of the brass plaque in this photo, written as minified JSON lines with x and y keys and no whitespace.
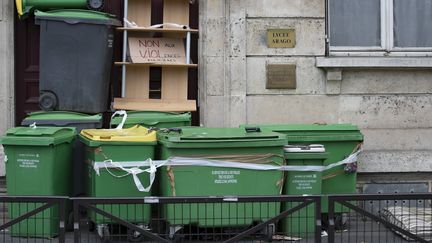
{"x":281,"y":76}
{"x":281,"y":38}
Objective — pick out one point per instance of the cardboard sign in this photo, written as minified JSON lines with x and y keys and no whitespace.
{"x":157,"y":50}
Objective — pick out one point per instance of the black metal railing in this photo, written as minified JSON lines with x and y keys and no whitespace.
{"x":380,"y":218}
{"x":33,"y":219}
{"x":350,"y":218}
{"x":198,"y":219}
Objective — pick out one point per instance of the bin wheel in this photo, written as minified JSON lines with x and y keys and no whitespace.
{"x":70,"y":222}
{"x":91,"y":226}
{"x":95,"y":4}
{"x":47,"y":101}
{"x":175,"y":233}
{"x":268,"y":232}
{"x":135,"y":236}
{"x":103,"y":232}
{"x":341,"y":221}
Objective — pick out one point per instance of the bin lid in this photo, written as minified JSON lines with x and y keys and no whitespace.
{"x":75,"y":16}
{"x":151,"y":118}
{"x":38,"y":136}
{"x":134,"y":134}
{"x":315,"y":132}
{"x":60,"y":118}
{"x":219,"y":137}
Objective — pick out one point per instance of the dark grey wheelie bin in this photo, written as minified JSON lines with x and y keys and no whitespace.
{"x":76,"y":49}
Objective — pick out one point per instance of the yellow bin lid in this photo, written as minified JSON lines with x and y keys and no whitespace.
{"x":134,"y":134}
{"x":19,"y":6}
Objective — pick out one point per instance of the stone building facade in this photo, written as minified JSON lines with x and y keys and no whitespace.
{"x":7,"y":111}
{"x":388,"y":96}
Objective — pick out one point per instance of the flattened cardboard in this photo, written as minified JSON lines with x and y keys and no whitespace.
{"x":157,"y":50}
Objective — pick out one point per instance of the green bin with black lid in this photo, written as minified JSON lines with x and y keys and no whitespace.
{"x":247,"y":146}
{"x":38,"y":163}
{"x":77,"y":120}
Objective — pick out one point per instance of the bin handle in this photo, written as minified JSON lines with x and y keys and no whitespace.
{"x":120,"y":113}
{"x":72,"y":21}
{"x":152,"y":123}
{"x":135,"y":171}
{"x":252,"y":129}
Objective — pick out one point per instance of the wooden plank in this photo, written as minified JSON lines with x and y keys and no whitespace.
{"x":174,"y":79}
{"x":137,"y":82}
{"x":139,"y":11}
{"x":156,"y":105}
{"x":176,"y":11}
{"x":174,"y":83}
{"x":156,"y":64}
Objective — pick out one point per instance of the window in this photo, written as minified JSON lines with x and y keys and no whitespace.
{"x":380,"y":27}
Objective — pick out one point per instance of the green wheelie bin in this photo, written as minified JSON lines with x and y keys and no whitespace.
{"x":38,"y":163}
{"x":302,"y":222}
{"x":108,"y":153}
{"x":250,"y":146}
{"x":339,"y":140}
{"x":24,"y":7}
{"x":77,"y":120}
{"x":159,"y":119}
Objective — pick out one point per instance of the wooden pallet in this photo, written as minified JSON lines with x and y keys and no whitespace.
{"x":174,"y":80}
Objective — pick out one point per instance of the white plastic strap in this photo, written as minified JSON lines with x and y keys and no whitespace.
{"x":169,"y":25}
{"x":134,"y":171}
{"x":350,"y":159}
{"x":183,"y":161}
{"x":33,"y":125}
{"x":130,"y":24}
{"x":120,"y":113}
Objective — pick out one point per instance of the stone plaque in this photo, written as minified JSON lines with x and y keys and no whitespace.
{"x":281,"y":76}
{"x":281,"y":38}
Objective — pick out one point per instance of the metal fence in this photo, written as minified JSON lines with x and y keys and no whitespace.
{"x":380,"y":218}
{"x":197,"y":219}
{"x":33,"y":219}
{"x":351,"y":218}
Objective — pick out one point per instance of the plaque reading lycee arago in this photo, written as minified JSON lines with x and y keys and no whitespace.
{"x":281,"y":76}
{"x":281,"y":38}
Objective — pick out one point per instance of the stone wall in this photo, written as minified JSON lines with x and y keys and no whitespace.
{"x":392,"y":106}
{"x":7,"y":111}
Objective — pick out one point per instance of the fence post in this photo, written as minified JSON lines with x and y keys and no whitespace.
{"x":318,"y":220}
{"x":62,"y":219}
{"x":76,"y":220}
{"x":331,"y":223}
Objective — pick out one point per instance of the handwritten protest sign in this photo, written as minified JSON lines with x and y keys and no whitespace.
{"x":157,"y":50}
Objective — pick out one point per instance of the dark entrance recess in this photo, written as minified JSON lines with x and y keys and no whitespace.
{"x":27,"y":60}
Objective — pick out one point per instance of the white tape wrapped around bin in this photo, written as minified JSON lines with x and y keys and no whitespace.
{"x":134,"y":167}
